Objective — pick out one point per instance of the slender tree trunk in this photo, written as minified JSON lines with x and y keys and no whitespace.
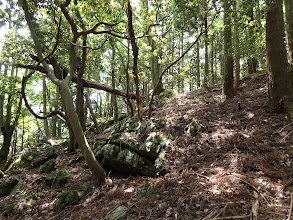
{"x":46,"y":125}
{"x":237,"y":52}
{"x":135,"y":60}
{"x":280,"y":88}
{"x":113,"y":97}
{"x":206,"y":60}
{"x":228,"y":90}
{"x":198,"y":66}
{"x":289,"y":27}
{"x":92,"y":113}
{"x":95,"y":167}
{"x":252,"y":60}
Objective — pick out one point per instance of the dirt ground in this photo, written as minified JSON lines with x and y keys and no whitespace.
{"x":240,"y":163}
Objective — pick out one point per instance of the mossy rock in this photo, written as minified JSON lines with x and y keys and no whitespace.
{"x":160,"y":98}
{"x":153,"y":146}
{"x":193,"y":128}
{"x":26,"y":159}
{"x":159,"y":123}
{"x":8,"y":208}
{"x":7,"y":185}
{"x":48,"y":166}
{"x":65,"y":199}
{"x":56,"y":180}
{"x":117,"y":213}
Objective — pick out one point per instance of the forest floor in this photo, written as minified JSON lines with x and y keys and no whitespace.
{"x":240,"y":162}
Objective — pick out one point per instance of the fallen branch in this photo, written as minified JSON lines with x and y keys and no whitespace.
{"x":291,"y":206}
{"x":255,"y":206}
{"x":232,"y":217}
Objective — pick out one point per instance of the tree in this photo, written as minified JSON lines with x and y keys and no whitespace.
{"x":97,"y":170}
{"x":228,"y":90}
{"x":280,"y":87}
{"x":289,"y":27}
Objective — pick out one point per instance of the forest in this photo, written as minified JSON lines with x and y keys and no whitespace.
{"x":146,"y":109}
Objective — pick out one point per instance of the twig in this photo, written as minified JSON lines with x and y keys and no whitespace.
{"x":255,"y":206}
{"x":211,"y":215}
{"x":209,"y":179}
{"x":286,"y":136}
{"x":291,"y":206}
{"x":285,"y":127}
{"x":221,"y":211}
{"x":232,"y":217}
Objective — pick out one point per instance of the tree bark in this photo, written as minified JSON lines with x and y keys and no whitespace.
{"x":237,"y":52}
{"x":113,"y":97}
{"x":135,"y":60}
{"x":289,"y":27}
{"x":280,"y":87}
{"x":206,"y":50}
{"x":198,"y":66}
{"x":228,"y":90}
{"x":95,"y":167}
{"x":46,"y":125}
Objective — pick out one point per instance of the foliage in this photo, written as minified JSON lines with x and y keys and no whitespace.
{"x":9,"y":208}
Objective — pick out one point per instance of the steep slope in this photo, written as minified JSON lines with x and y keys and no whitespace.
{"x":240,"y":160}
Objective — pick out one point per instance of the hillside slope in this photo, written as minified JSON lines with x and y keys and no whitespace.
{"x":240,"y":160}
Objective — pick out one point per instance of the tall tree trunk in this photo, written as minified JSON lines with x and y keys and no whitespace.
{"x":237,"y":52}
{"x":135,"y":60}
{"x":46,"y":125}
{"x":228,"y":90}
{"x":95,"y":167}
{"x":155,"y":67}
{"x":198,"y":66}
{"x":113,"y":97}
{"x":213,"y":78}
{"x":252,"y":60}
{"x":280,"y":88}
{"x":7,"y":133}
{"x":206,"y":50}
{"x":289,"y":27}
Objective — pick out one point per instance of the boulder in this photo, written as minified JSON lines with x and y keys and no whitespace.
{"x":7,"y":185}
{"x":133,"y":148}
{"x":48,"y":166}
{"x":56,"y":180}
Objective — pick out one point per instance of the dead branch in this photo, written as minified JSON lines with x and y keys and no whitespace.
{"x":291,"y":206}
{"x":255,"y":206}
{"x":233,"y":217}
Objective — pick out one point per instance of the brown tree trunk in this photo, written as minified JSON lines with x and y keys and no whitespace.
{"x":289,"y":28}
{"x":228,"y":90}
{"x":95,"y":167}
{"x":135,"y":60}
{"x":198,"y":66}
{"x":280,"y":88}
{"x":237,"y":52}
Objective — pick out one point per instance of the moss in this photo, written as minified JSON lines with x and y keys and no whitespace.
{"x":27,"y":158}
{"x":31,"y":200}
{"x":48,"y":166}
{"x":8,"y":208}
{"x":56,"y":180}
{"x":7,"y":185}
{"x":193,"y":128}
{"x":66,"y":199}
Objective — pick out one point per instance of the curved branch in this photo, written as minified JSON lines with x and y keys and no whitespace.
{"x":23,"y":85}
{"x":176,"y":61}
